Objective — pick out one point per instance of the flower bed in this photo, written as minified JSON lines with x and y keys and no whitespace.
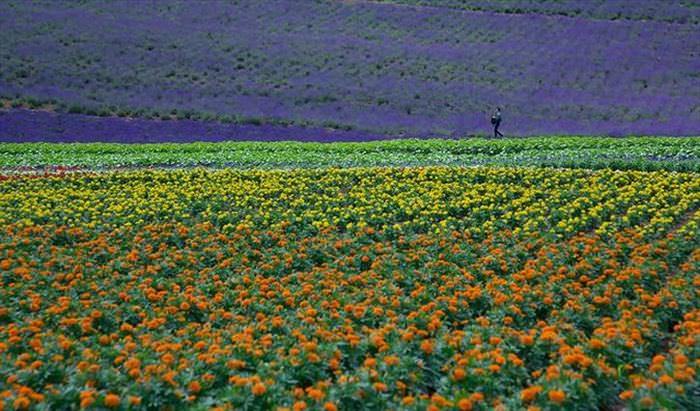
{"x":365,"y":288}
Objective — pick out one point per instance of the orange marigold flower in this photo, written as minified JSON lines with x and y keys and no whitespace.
{"x":86,"y":401}
{"x":557,"y":396}
{"x":391,"y":360}
{"x":235,"y":364}
{"x":548,"y":335}
{"x":299,"y":406}
{"x":680,"y":359}
{"x":194,"y":386}
{"x":169,"y":377}
{"x":459,"y":374}
{"x":476,"y":397}
{"x":329,"y":406}
{"x":686,"y":375}
{"x":167,"y":358}
{"x":259,"y":389}
{"x":688,"y":341}
{"x":666,"y":379}
{"x":596,"y":344}
{"x":626,"y":395}
{"x":380,"y":386}
{"x":21,"y":403}
{"x":464,"y":404}
{"x":658,"y":359}
{"x":527,"y":340}
{"x":112,"y":400}
{"x":316,"y":394}
{"x":408,"y":400}
{"x":426,"y":346}
{"x":529,"y":394}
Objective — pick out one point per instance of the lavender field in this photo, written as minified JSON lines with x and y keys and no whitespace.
{"x":346,"y":70}
{"x":656,"y":10}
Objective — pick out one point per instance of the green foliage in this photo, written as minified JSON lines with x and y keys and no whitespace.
{"x":639,"y":153}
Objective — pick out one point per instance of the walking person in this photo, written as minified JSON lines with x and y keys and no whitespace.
{"x":496,"y":121}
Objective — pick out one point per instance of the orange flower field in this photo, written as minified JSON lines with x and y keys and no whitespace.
{"x":362,"y":288}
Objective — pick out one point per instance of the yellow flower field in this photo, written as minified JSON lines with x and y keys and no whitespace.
{"x":364,"y":288}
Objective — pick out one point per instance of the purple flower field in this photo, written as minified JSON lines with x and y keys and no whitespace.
{"x":296,"y":69}
{"x":41,"y":126}
{"x":652,"y":10}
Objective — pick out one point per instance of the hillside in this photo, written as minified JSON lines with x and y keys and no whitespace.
{"x":379,"y":68}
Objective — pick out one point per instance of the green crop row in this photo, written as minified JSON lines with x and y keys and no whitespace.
{"x":639,"y":153}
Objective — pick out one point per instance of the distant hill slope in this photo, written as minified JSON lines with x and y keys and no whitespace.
{"x":370,"y":67}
